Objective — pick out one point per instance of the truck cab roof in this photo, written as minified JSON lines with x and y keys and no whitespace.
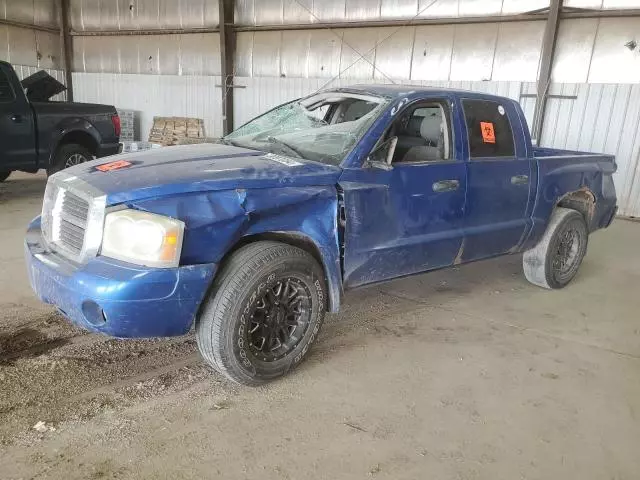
{"x":392,"y":91}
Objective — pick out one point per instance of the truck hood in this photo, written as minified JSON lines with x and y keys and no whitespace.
{"x":197,"y":168}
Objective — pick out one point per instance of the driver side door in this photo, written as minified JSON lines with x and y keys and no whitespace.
{"x":408,"y":217}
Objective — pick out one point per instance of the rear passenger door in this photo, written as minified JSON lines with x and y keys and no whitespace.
{"x":498,"y":179}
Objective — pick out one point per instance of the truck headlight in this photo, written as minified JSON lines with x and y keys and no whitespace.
{"x":142,"y":238}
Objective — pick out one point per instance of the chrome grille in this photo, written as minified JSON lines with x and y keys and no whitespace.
{"x":73,"y":222}
{"x":72,"y":216}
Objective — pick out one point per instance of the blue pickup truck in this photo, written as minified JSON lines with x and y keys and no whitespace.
{"x":252,"y":239}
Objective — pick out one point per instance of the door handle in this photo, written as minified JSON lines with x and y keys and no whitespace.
{"x":520,"y":180}
{"x":446,"y":185}
{"x":16,"y":118}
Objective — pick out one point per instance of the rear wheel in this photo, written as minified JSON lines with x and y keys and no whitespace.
{"x":556,"y":259}
{"x":67,"y":156}
{"x":265,"y":311}
{"x":4,"y":174}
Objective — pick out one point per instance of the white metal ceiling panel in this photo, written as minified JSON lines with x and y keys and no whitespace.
{"x":200,"y":54}
{"x":358,"y":42}
{"x":169,"y":14}
{"x":621,"y":4}
{"x":147,"y":13}
{"x":191,"y":13}
{"x":473,"y":51}
{"x":75,"y":15}
{"x":438,"y":8}
{"x":90,"y":14}
{"x":245,"y":12}
{"x":363,"y":10}
{"x":244,"y":54}
{"x":612,"y":62}
{"x":149,"y":54}
{"x":48,"y":46}
{"x":393,"y":53}
{"x":127,"y":15}
{"x":129,"y":61}
{"x":573,"y":50}
{"x":582,"y":3}
{"x":398,"y":8}
{"x":268,"y":12}
{"x":477,"y":8}
{"x":511,"y":7}
{"x":88,"y":49}
{"x":298,"y":11}
{"x":45,"y":12}
{"x":518,"y":51}
{"x":266,"y":54}
{"x":294,"y":53}
{"x":432,"y":50}
{"x":211,"y":15}
{"x":324,"y":53}
{"x":329,"y":10}
{"x":22,"y":46}
{"x":19,"y":11}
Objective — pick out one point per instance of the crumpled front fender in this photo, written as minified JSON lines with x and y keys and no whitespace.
{"x":217,"y":221}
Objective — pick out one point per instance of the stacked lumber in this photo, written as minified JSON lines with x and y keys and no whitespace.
{"x":171,"y":130}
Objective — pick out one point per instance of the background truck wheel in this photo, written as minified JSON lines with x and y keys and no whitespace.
{"x":4,"y":175}
{"x":265,"y":310}
{"x":69,"y":155}
{"x":555,"y":260}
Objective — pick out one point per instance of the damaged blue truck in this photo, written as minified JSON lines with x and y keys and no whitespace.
{"x":251,"y":240}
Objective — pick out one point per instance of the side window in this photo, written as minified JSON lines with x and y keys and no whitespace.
{"x":6,"y":92}
{"x":355,"y":110}
{"x":423,"y":133}
{"x":489,"y":129}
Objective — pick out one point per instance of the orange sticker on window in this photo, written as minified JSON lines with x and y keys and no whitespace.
{"x":488,"y":133}
{"x":107,"y":167}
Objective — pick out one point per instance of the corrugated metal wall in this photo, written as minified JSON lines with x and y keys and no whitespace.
{"x":24,"y":46}
{"x":155,"y":95}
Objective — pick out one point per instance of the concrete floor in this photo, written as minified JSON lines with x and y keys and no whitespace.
{"x":467,"y":373}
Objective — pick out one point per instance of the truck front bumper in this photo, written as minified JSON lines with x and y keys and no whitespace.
{"x":115,"y":298}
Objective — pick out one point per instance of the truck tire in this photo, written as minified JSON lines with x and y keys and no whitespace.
{"x":4,"y":175}
{"x":265,"y":310}
{"x":67,"y":156}
{"x":555,"y":260}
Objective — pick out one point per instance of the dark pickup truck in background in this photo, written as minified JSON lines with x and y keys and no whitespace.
{"x":38,"y":133}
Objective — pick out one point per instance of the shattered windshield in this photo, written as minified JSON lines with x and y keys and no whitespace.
{"x":323,"y":127}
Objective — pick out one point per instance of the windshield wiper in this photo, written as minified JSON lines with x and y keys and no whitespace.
{"x":286,"y":146}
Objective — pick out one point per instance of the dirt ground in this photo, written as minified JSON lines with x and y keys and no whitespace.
{"x":467,"y":373}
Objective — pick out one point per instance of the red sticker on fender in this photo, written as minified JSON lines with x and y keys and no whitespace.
{"x":107,"y":167}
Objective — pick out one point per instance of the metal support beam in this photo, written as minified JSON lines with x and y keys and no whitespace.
{"x":227,"y":52}
{"x":395,"y":22}
{"x":40,"y":28}
{"x":155,"y":31}
{"x":67,"y":49}
{"x":546,"y":64}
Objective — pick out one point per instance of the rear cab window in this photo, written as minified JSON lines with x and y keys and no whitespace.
{"x":489,"y":129}
{"x":6,"y":91}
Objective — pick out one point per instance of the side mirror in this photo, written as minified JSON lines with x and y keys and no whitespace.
{"x":382,"y":156}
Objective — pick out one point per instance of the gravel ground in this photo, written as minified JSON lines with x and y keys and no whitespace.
{"x":467,"y":373}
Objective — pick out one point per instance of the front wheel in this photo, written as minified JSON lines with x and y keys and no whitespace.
{"x":266,"y":308}
{"x":555,"y":260}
